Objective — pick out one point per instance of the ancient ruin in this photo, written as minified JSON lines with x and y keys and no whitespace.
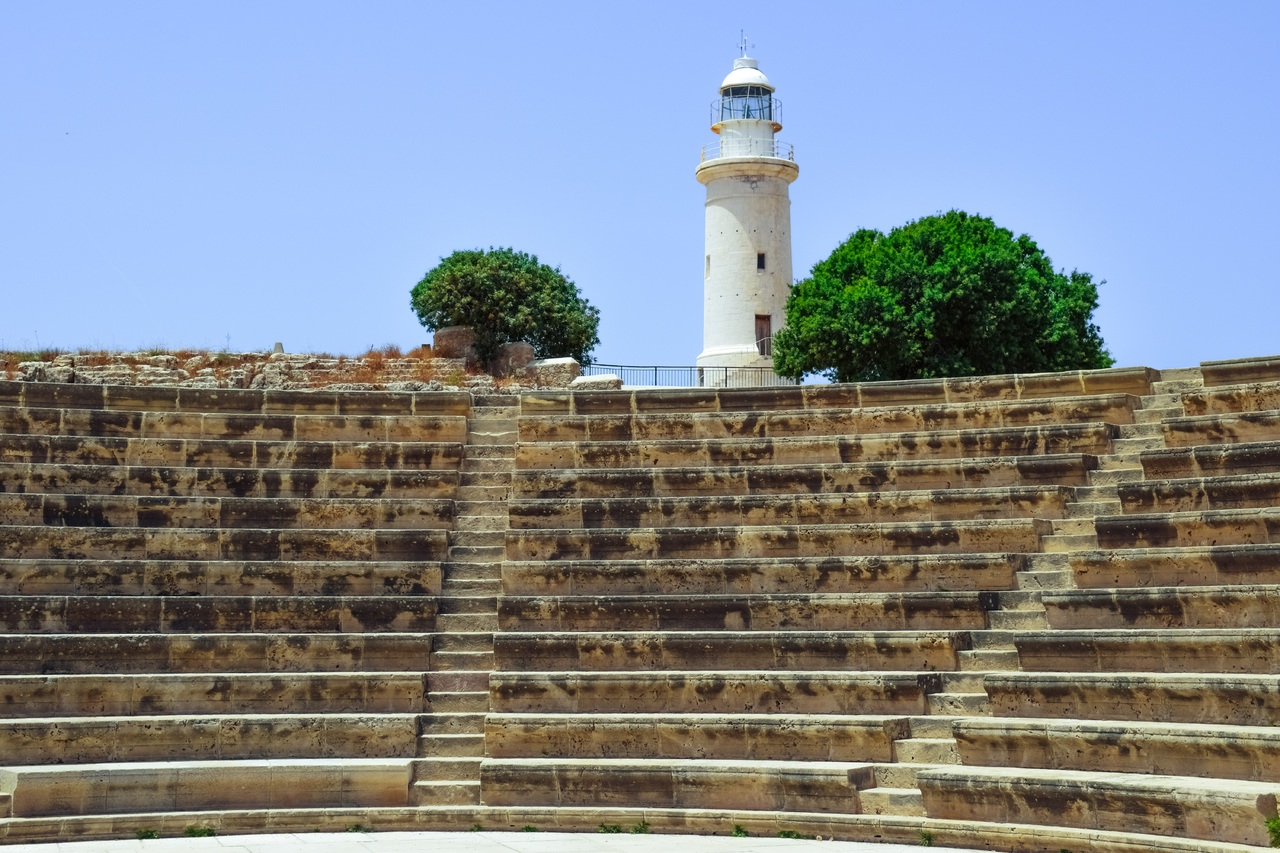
{"x":1032,"y":613}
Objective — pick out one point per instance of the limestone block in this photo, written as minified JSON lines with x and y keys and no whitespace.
{"x":1197,"y":566}
{"x":598,"y":382}
{"x":553,"y":372}
{"x":512,"y":358}
{"x":1187,"y":529}
{"x":1238,"y":700}
{"x":1251,"y":606}
{"x":454,"y":342}
{"x":1235,"y":371}
{"x":1221,"y":429}
{"x":1238,"y":650}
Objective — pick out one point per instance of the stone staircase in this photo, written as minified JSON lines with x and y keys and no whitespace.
{"x":452,"y":746}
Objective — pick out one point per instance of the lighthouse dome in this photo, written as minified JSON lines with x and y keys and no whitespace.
{"x":746,"y":72}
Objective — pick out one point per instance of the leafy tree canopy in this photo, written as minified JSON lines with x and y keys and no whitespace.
{"x":505,"y":296}
{"x":947,"y":295}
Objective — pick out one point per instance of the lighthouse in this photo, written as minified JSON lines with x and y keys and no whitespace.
{"x":747,"y":272}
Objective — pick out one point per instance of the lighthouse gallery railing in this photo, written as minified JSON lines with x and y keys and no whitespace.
{"x":748,"y":148}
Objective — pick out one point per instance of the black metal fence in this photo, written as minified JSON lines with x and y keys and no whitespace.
{"x":690,"y":377}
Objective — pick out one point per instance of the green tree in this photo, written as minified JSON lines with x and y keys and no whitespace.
{"x":505,"y":296}
{"x":947,"y":295}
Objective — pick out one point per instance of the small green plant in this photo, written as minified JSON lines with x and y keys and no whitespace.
{"x":791,"y":833}
{"x":147,"y":834}
{"x":926,"y":838}
{"x":610,"y":828}
{"x":455,"y":377}
{"x":194,"y":831}
{"x":641,"y":828}
{"x":1273,"y":830}
{"x":357,"y":827}
{"x":528,"y":828}
{"x":739,"y":831}
{"x":475,"y":827}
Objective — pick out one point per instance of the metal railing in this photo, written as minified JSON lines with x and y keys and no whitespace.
{"x":690,"y":377}
{"x":748,"y":148}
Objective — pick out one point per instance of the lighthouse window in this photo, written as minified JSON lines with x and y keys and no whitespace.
{"x":707,"y":274}
{"x":746,"y":102}
{"x":760,"y":260}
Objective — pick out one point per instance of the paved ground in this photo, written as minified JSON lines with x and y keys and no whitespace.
{"x":468,"y":842}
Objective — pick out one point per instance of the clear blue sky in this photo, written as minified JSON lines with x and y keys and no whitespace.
{"x":198,"y":173}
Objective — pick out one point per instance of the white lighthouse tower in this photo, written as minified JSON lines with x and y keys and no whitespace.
{"x":748,"y":228}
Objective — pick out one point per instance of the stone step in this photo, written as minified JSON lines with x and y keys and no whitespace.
{"x":466,"y":723}
{"x":119,"y":693}
{"x":1233,"y":650}
{"x":487,"y":554}
{"x":217,"y":614}
{"x":1067,"y":543}
{"x":481,"y":524}
{"x":476,"y":539}
{"x":459,"y":701}
{"x":752,"y":736}
{"x":484,"y":466}
{"x":1009,"y":620}
{"x":486,"y":479}
{"x":1234,"y":699}
{"x":719,"y":692}
{"x":1213,"y":810}
{"x":150,"y":737}
{"x":212,"y":653}
{"x":904,"y":802}
{"x":1182,"y":374}
{"x":1134,"y":431}
{"x":1153,"y":748}
{"x":447,"y":769}
{"x":807,"y":479}
{"x":1161,"y":400}
{"x":812,"y":612}
{"x":1090,"y":438}
{"x":48,"y":576}
{"x":487,"y":586}
{"x":784,"y":650}
{"x":1157,"y":415}
{"x":445,"y":793}
{"x":1130,"y":472}
{"x":461,"y":660}
{"x":480,"y":509}
{"x":187,"y":453}
{"x":1188,"y":529}
{"x":1242,"y":428}
{"x":240,"y":425}
{"x":885,"y":538}
{"x":129,"y":511}
{"x":1118,"y":462}
{"x":922,"y":750}
{"x":989,"y":660}
{"x":676,"y":783}
{"x":454,"y":622}
{"x":211,"y":481}
{"x":502,"y":435}
{"x":1251,"y":606}
{"x":1126,"y":446}
{"x":503,"y":452}
{"x":1231,"y":399}
{"x":1032,"y":581}
{"x":1206,"y":565}
{"x":959,"y":704}
{"x":451,"y":745}
{"x":457,"y":681}
{"x":1046,"y":502}
{"x":467,"y":604}
{"x":52,"y":395}
{"x":483,"y":493}
{"x":201,"y":544}
{"x":1073,"y":526}
{"x":1093,"y":509}
{"x":1177,"y":386}
{"x":1221,"y":460}
{"x":647,"y":424}
{"x":459,"y":641}
{"x":193,"y":786}
{"x":825,"y":574}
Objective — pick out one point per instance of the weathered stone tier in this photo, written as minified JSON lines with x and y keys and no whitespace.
{"x":1070,"y":469}
{"x":1244,"y":606}
{"x":1221,"y":429}
{"x":764,"y":576}
{"x":817,"y":692}
{"x":823,"y":450}
{"x":212,"y":481}
{"x":825,"y":540}
{"x":199,"y":453}
{"x":1197,"y":566}
{"x":1189,"y":529}
{"x":779,"y":737}
{"x":1237,"y":650}
{"x":648,"y":425}
{"x":1205,"y":461}
{"x":755,"y":510}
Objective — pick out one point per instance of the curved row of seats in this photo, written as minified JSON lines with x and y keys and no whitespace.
{"x":838,"y":604}
{"x":214,"y":601}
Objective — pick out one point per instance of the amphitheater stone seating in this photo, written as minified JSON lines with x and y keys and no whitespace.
{"x":1019,"y":612}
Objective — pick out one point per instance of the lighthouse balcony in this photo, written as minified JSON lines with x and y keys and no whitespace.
{"x":747,"y":147}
